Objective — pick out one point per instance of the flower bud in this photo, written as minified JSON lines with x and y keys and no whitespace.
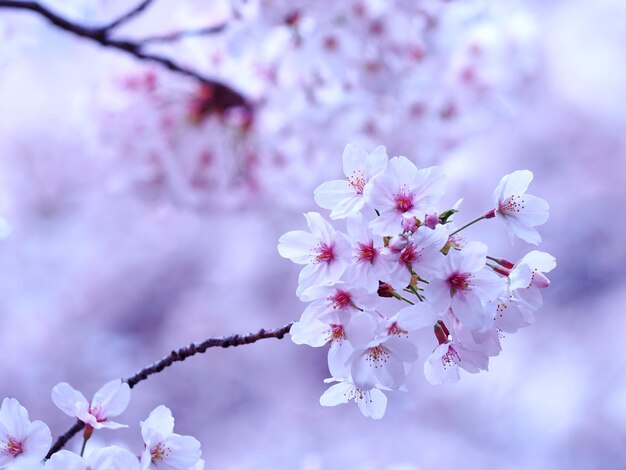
{"x":385,"y":290}
{"x":397,"y":243}
{"x":431,"y":220}
{"x":410,"y":224}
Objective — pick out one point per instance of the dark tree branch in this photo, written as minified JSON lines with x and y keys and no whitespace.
{"x":224,"y":96}
{"x":178,"y":35}
{"x":177,"y":356}
{"x":128,"y":16}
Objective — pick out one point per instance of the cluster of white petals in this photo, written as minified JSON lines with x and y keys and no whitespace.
{"x":24,"y":444}
{"x":401,"y":267}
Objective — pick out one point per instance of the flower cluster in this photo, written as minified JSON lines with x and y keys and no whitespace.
{"x":24,"y":444}
{"x":402,"y":267}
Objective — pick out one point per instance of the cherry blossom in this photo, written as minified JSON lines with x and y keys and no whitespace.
{"x":345,"y":197}
{"x":164,"y":448}
{"x":465,"y":284}
{"x":419,"y":254}
{"x":520,"y":212}
{"x":368,"y":267}
{"x":443,"y":364}
{"x":403,"y":192}
{"x":527,"y":278}
{"x":404,"y":251}
{"x":324,"y":251}
{"x":109,"y":401}
{"x":21,"y":439}
{"x":107,"y":458}
{"x":372,"y":402}
{"x":382,"y":362}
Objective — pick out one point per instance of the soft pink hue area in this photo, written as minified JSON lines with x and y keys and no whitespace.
{"x":129,"y":228}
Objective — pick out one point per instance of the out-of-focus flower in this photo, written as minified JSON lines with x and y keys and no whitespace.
{"x":20,"y":439}
{"x":519,"y":211}
{"x":324,"y":251}
{"x":110,"y":401}
{"x":107,"y":458}
{"x":345,"y":197}
{"x":401,"y":192}
{"x":165,"y":449}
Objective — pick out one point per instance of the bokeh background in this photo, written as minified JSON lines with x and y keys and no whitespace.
{"x":137,"y":215}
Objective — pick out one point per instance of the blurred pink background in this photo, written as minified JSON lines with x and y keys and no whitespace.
{"x":131,"y":225}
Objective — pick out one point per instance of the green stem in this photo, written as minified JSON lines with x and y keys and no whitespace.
{"x":82,"y":449}
{"x":399,"y":297}
{"x":469,"y":223}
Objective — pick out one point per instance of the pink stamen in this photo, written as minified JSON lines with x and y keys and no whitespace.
{"x":325,"y":253}
{"x":357,"y":181}
{"x":341,"y":300}
{"x":511,"y":204}
{"x":394,"y":329}
{"x":13,"y":447}
{"x":365,"y":252}
{"x":459,"y":281}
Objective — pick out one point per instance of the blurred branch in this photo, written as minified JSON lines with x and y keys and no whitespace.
{"x":178,"y":356}
{"x":178,"y":35}
{"x":128,"y":16}
{"x":224,"y":96}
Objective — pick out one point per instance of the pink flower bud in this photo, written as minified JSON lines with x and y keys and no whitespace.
{"x":397,"y":243}
{"x":410,"y":224}
{"x":431,"y":220}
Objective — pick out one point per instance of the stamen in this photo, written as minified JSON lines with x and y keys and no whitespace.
{"x":357,"y":181}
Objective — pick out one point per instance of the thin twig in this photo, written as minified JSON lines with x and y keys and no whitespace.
{"x":178,"y":35}
{"x":128,"y":16}
{"x":223,"y":96}
{"x":177,"y":356}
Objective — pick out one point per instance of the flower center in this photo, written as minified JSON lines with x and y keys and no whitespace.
{"x":12,"y":447}
{"x":511,"y":204}
{"x":377,"y":356}
{"x":394,"y":329}
{"x":404,"y":200}
{"x":459,"y":281}
{"x":357,"y":181}
{"x":450,"y":358}
{"x":409,"y":255}
{"x":96,"y":412}
{"x":336,"y":333}
{"x":325,"y":253}
{"x":159,"y":452}
{"x":341,"y":299}
{"x":365,"y":252}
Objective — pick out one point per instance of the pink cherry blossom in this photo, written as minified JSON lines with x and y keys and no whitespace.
{"x":110,"y":401}
{"x":402,"y":192}
{"x":465,"y":284}
{"x":163,"y":447}
{"x":420,"y":254}
{"x":21,"y":439}
{"x":520,"y":212}
{"x":368,"y":267}
{"x":372,"y":402}
{"x":345,"y":197}
{"x":324,"y":251}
